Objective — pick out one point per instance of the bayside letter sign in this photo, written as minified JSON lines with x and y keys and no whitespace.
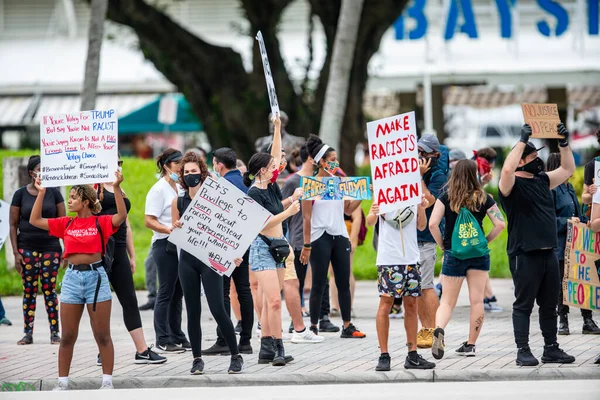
{"x":79,"y":148}
{"x":581,"y":286}
{"x":394,"y":162}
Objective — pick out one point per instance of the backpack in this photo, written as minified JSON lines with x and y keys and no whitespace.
{"x":468,"y":239}
{"x":362,"y":233}
{"x":444,"y":160}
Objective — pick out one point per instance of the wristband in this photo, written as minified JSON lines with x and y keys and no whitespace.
{"x":307,"y":246}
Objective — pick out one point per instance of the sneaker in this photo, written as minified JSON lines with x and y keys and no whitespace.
{"x":590,"y":327}
{"x":149,"y":357}
{"x":99,"y":361}
{"x":237,"y":364}
{"x":27,"y":339}
{"x":106,"y":386}
{"x":438,"y":290}
{"x":417,"y":362}
{"x":467,"y":350}
{"x":396,"y":313}
{"x":238,"y":328}
{"x":525,"y":358}
{"x":554,"y":354}
{"x":491,"y":305}
{"x":305,"y":314}
{"x":307,"y":336}
{"x":334,"y":312}
{"x":597,"y":360}
{"x":61,"y":386}
{"x":326,"y":326}
{"x":384,"y":362}
{"x":351,"y":332}
{"x":425,"y":338}
{"x":186,"y":345}
{"x":170,"y":348}
{"x":245,"y":348}
{"x":258,"y":331}
{"x":217,"y":349}
{"x":54,"y":338}
{"x":438,"y":345}
{"x":197,"y":367}
{"x":148,"y":306}
{"x":5,"y":321}
{"x":291,"y":328}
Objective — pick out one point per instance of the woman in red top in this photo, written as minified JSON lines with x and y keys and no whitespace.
{"x":85,"y":281}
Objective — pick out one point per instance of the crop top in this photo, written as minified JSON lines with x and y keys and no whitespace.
{"x":81,"y":237}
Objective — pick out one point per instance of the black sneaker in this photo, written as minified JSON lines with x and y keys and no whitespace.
{"x":186,"y":345}
{"x":438,"y":345}
{"x":149,"y":357}
{"x":352,"y":333}
{"x":326,"y":326}
{"x":245,"y":348}
{"x":238,"y":327}
{"x":590,"y":327}
{"x":291,"y":329}
{"x":197,"y":367}
{"x":467,"y":350}
{"x":99,"y":361}
{"x":597,"y":360}
{"x":416,"y":361}
{"x":554,"y":354}
{"x":314,"y":330}
{"x":384,"y":362}
{"x":217,"y":349}
{"x":525,"y":358}
{"x":237,"y":364}
{"x":170,"y":348}
{"x":148,"y":306}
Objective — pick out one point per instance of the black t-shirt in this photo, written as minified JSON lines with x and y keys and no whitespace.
{"x":531,"y":215}
{"x":270,"y":198}
{"x":109,"y":207}
{"x":588,"y":172}
{"x":451,"y":216}
{"x":28,"y":236}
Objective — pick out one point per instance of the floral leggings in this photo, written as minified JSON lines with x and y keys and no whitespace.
{"x":45,"y":266}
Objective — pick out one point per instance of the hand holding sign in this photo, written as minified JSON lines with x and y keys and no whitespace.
{"x":268,"y":75}
{"x":543,"y":119}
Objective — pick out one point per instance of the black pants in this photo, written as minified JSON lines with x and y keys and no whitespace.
{"x":563,"y":309}
{"x":168,"y":307}
{"x":301,"y":271}
{"x":121,"y":279}
{"x":326,"y":249}
{"x":537,"y":279}
{"x":193,"y":273}
{"x":241,"y":278}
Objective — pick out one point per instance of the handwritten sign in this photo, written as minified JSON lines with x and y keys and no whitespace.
{"x":268,"y":76}
{"x":581,"y":285}
{"x":543,"y":119}
{"x":394,"y":162}
{"x":219,"y":225}
{"x":79,"y":148}
{"x":4,"y":222}
{"x":336,"y":188}
{"x":596,"y":196}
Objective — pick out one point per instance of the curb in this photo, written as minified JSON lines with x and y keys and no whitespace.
{"x":520,"y":374}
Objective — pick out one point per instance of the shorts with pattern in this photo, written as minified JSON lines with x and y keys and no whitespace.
{"x":399,"y":280}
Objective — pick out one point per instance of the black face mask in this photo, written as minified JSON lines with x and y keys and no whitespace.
{"x":534,"y":166}
{"x":192,"y":180}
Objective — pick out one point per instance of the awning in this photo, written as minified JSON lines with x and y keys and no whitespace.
{"x":13,"y":110}
{"x":145,"y":119}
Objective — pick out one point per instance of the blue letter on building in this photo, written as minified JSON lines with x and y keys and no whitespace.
{"x":562,"y":18}
{"x":468,"y":27}
{"x":417,"y":12}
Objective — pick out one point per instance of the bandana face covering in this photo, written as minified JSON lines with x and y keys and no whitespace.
{"x":332,"y":167}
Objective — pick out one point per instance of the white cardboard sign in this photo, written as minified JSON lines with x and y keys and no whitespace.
{"x":596,"y":197}
{"x":268,"y":76}
{"x":4,"y":222}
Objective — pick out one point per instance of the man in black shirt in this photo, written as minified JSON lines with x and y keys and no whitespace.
{"x":524,"y":190}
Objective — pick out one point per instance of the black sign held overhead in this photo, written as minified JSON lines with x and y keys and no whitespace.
{"x":268,"y":76}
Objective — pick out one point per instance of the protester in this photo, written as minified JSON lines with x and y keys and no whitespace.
{"x":454,"y":156}
{"x":289,"y":143}
{"x":37,"y":254}
{"x":398,"y":276}
{"x":3,"y":319}
{"x":85,"y":282}
{"x":524,"y":190}
{"x":121,"y":273}
{"x":589,"y":184}
{"x":263,"y":170}
{"x":241,"y":166}
{"x":326,"y":241}
{"x":168,"y":307}
{"x":464,"y":205}
{"x":193,"y":274}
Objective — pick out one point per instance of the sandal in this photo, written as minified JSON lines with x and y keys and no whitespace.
{"x":54,"y":338}
{"x":27,"y":339}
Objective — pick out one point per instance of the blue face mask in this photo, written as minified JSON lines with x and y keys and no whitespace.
{"x":174,"y":177}
{"x":218,"y":175}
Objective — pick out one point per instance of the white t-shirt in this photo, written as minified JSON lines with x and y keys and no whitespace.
{"x":389,"y":248}
{"x":158,"y":204}
{"x":327,"y":216}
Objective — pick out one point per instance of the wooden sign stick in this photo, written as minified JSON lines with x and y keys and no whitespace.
{"x":402,"y":239}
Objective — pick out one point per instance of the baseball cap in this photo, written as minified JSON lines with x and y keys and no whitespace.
{"x":530,"y":148}
{"x":456,"y":155}
{"x":429,"y":143}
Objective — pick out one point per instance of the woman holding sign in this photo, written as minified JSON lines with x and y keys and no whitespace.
{"x":85,"y":282}
{"x":466,"y":253}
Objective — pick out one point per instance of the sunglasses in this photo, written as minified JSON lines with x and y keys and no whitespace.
{"x":120,"y":163}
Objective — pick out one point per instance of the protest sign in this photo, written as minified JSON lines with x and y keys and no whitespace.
{"x":4,"y":222}
{"x":336,"y":188}
{"x":219,"y":225}
{"x":596,"y":196}
{"x":543,"y":119}
{"x":394,"y":162}
{"x":581,"y":286}
{"x":79,"y":148}
{"x":268,"y":76}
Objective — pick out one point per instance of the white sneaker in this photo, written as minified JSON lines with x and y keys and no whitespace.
{"x":307,"y":336}
{"x":493,"y":307}
{"x":106,"y":385}
{"x":61,"y":386}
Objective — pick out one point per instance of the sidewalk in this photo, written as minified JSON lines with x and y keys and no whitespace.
{"x":334,"y":361}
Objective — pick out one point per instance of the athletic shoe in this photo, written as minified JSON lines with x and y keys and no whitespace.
{"x":325,"y":325}
{"x":416,"y":361}
{"x":5,"y":321}
{"x":438,"y":290}
{"x":438,"y":345}
{"x":491,"y":305}
{"x":197,"y":367}
{"x":467,"y":350}
{"x":425,"y":338}
{"x":187,"y":346}
{"x":554,"y":354}
{"x":597,"y":360}
{"x":590,"y":327}
{"x":306,"y":336}
{"x":237,"y":364}
{"x":384,"y":362}
{"x":291,"y":328}
{"x":54,"y":338}
{"x":170,"y":348}
{"x":217,"y":349}
{"x":238,"y":328}
{"x":149,"y":357}
{"x":351,"y":332}
{"x":305,"y":314}
{"x":99,"y":361}
{"x":106,"y":386}
{"x":334,"y":312}
{"x":525,"y":358}
{"x":61,"y":386}
{"x":148,"y":306}
{"x":396,"y":313}
{"x":258,"y":331}
{"x":245,"y":348}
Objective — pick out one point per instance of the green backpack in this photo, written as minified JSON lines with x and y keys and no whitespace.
{"x":468,"y":239}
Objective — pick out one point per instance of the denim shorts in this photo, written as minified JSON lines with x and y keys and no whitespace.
{"x":453,"y":266}
{"x":79,"y":287}
{"x":260,"y":257}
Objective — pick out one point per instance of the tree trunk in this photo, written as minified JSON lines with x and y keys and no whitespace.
{"x":92,"y":64}
{"x":336,"y":94}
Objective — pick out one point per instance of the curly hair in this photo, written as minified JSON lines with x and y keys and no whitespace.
{"x":464,"y":189}
{"x":192,"y":157}
{"x":88,"y":193}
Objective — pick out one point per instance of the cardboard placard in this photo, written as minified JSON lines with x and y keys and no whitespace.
{"x":581,"y":284}
{"x":543,"y":119}
{"x":219,"y":225}
{"x":268,"y":76}
{"x":336,"y":188}
{"x":596,"y":196}
{"x":394,"y":158}
{"x":79,"y":148}
{"x":4,"y":222}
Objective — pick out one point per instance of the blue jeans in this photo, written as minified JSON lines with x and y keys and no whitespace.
{"x":2,"y":312}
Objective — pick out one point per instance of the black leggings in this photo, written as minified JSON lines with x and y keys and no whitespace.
{"x":563,"y":309}
{"x":326,"y":249}
{"x":168,"y":307}
{"x":301,"y":271}
{"x":192,"y":273}
{"x":121,"y":279}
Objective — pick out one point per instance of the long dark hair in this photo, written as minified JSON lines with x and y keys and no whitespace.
{"x":256,"y":163}
{"x":553,"y":162}
{"x":314,"y":145}
{"x":193,"y":157}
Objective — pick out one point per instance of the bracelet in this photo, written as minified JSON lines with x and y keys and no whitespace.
{"x":307,"y":246}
